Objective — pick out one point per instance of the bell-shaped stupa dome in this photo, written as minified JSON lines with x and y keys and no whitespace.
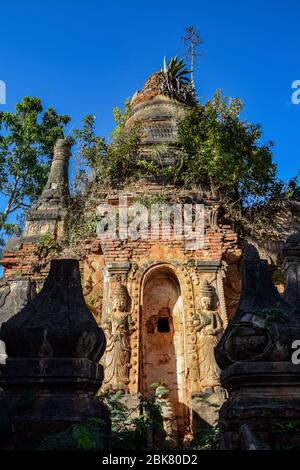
{"x":158,"y":113}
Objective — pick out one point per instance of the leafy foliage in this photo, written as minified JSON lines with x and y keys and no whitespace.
{"x":223,"y":152}
{"x":91,"y":148}
{"x":27,"y":137}
{"x":208,"y":439}
{"x":47,"y":246}
{"x":132,"y":430}
{"x":115,"y":162}
{"x":120,"y":118}
{"x":285,"y":434}
{"x":164,"y":163}
{"x":289,"y":191}
{"x":176,"y":70}
{"x":88,"y":436}
{"x":140,"y":428}
{"x":148,"y":200}
{"x":216,"y":151}
{"x":120,"y":162}
{"x":80,"y":223}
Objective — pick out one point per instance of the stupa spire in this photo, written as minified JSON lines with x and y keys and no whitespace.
{"x":47,"y":214}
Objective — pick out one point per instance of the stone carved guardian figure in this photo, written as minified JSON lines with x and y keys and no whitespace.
{"x":208,"y":326}
{"x":118,"y":329}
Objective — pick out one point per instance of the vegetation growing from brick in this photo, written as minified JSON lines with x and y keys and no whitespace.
{"x":216,"y":152}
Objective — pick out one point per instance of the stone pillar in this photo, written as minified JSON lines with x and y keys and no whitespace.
{"x":255,"y":353}
{"x":52,"y":373}
{"x":48,"y":214}
{"x":58,"y":177}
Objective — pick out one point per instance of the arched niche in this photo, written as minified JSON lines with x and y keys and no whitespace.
{"x":162,"y":353}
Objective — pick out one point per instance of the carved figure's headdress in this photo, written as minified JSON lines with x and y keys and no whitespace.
{"x":207,"y":290}
{"x":121,"y":292}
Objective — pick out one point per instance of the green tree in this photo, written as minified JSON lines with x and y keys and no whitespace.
{"x":223,"y":152}
{"x":120,"y":118}
{"x":290,"y":190}
{"x":116,"y":162}
{"x":27,"y":137}
{"x":120,"y":164}
{"x":91,"y":148}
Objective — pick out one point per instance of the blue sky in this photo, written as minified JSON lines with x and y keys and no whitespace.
{"x":86,"y":57}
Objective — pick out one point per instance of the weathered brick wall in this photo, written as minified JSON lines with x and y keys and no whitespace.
{"x":23,"y":262}
{"x":218,"y":244}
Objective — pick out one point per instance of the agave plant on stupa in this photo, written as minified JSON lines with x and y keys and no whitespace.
{"x":176,"y":84}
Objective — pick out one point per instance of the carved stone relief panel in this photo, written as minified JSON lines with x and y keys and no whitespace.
{"x":118,"y":328}
{"x":93,"y":284}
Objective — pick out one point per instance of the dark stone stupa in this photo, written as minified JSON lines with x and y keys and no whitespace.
{"x":52,"y":372}
{"x":256,"y":354}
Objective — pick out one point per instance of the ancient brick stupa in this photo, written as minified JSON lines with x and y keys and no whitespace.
{"x":158,"y":113}
{"x":163,"y":301}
